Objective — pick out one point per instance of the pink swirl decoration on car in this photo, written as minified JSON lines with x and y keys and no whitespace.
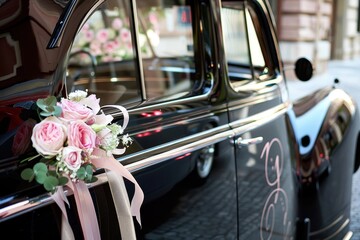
{"x":277,"y":202}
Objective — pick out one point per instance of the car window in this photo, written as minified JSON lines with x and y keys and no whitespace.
{"x":165,"y":27}
{"x":245,"y":56}
{"x":104,"y":59}
{"x":235,"y":35}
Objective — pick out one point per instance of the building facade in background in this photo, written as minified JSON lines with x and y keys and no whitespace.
{"x":320,"y":30}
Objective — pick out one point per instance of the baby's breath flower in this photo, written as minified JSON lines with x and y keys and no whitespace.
{"x":126,"y":140}
{"x":58,"y":157}
{"x":116,"y":129}
{"x":110,"y":142}
{"x":77,"y":95}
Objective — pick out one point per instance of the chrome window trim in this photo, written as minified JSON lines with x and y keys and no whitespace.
{"x":203,"y":97}
{"x":208,"y":137}
{"x":138,"y":50}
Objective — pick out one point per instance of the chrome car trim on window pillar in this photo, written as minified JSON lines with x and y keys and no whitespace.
{"x":138,"y":50}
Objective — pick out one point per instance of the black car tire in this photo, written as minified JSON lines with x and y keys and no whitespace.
{"x":204,"y":160}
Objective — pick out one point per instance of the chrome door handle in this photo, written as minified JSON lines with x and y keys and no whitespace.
{"x":240,"y":142}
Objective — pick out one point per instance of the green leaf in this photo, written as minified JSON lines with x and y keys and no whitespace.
{"x":40,"y":167}
{"x":89,"y":169}
{"x":89,"y":172}
{"x":46,"y":114}
{"x":40,"y":177}
{"x":27,"y":174}
{"x":46,"y":102}
{"x":52,"y":173}
{"x":63,"y":180}
{"x":48,"y":106}
{"x":81,"y":173}
{"x":57,"y":111}
{"x":50,"y":183}
{"x":93,"y":179}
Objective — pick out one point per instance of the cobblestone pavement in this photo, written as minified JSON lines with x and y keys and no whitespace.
{"x":347,"y":72}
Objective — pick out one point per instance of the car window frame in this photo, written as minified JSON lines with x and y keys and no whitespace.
{"x":202,"y":80}
{"x":256,"y":83}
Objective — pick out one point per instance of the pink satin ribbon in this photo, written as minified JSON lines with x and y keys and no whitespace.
{"x":84,"y":203}
{"x":103,"y":161}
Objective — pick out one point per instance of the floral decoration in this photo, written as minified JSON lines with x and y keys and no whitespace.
{"x":107,"y":44}
{"x":70,"y":132}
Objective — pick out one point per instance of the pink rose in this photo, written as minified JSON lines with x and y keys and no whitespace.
{"x":125,"y":35}
{"x":72,"y":157}
{"x":22,"y":137}
{"x":153,"y":18}
{"x":95,"y":48}
{"x":81,"y":135}
{"x":89,"y":35}
{"x":109,"y":47}
{"x":117,"y":23}
{"x":49,"y":136}
{"x":74,"y":111}
{"x":102,"y":35}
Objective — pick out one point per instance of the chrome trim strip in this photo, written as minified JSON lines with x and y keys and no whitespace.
{"x":139,"y":58}
{"x":222,"y":132}
{"x":249,"y":123}
{"x":348,"y":235}
{"x":331,"y":225}
{"x":43,"y":200}
{"x":328,"y":226}
{"x":347,"y":221}
{"x":165,"y":104}
{"x":208,"y":137}
{"x":162,"y":157}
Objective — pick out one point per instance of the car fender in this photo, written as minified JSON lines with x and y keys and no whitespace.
{"x":322,"y":122}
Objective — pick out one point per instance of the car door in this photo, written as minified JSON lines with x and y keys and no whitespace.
{"x":257,"y":113}
{"x":180,"y":153}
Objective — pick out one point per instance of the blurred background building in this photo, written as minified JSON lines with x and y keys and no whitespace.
{"x":320,"y":30}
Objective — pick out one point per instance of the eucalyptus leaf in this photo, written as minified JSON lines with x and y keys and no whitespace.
{"x":63,"y":180}
{"x":46,"y":102}
{"x":52,"y":173}
{"x":89,"y":170}
{"x":27,"y":174}
{"x":50,"y":183}
{"x":93,"y":179}
{"x":40,"y":167}
{"x":48,"y":106}
{"x":57,"y":111}
{"x":81,"y":173}
{"x":40,"y":177}
{"x":46,"y":114}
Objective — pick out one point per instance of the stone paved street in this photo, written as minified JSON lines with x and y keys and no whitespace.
{"x":349,"y":76}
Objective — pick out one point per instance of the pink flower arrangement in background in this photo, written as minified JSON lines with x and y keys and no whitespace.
{"x":67,"y":137}
{"x":106,"y":44}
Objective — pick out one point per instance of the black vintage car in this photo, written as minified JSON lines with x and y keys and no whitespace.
{"x":218,"y":148}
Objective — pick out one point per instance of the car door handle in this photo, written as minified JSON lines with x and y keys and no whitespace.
{"x":240,"y":142}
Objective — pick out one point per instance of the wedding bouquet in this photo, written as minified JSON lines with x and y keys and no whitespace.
{"x":73,"y":139}
{"x":67,"y":137}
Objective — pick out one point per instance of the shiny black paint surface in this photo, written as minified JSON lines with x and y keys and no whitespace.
{"x":259,"y":191}
{"x":327,"y":159}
